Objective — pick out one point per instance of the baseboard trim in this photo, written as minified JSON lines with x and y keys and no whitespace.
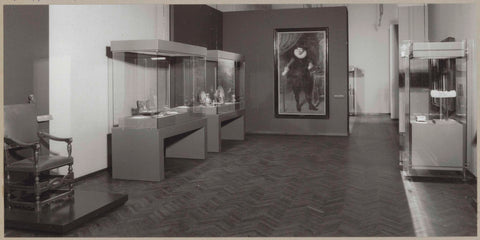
{"x":89,"y":175}
{"x":370,"y":114}
{"x":471,"y":175}
{"x":297,"y":134}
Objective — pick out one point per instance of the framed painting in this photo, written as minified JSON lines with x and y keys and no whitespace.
{"x":301,"y":72}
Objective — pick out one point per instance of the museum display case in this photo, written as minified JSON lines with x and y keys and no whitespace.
{"x":156,"y":83}
{"x":435,"y":98}
{"x":225,"y":82}
{"x":157,"y":89}
{"x":224,"y":101}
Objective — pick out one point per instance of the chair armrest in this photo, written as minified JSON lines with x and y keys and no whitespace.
{"x":67,"y":140}
{"x":60,"y":139}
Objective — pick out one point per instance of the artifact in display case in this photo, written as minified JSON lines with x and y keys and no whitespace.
{"x":225,"y":76}
{"x":435,"y":97}
{"x":156,"y":83}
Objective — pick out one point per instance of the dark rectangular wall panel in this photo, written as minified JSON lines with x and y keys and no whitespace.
{"x":26,"y":56}
{"x":199,"y":25}
{"x":251,"y":33}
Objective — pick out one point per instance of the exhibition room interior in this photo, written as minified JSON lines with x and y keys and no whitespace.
{"x":240,"y":120}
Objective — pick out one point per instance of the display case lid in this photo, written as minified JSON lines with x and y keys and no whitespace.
{"x":434,"y":50}
{"x":214,"y":55}
{"x":158,"y":47}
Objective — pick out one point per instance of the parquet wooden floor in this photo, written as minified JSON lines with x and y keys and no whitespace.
{"x":285,"y":186}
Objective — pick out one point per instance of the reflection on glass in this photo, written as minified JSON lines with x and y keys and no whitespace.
{"x":140,"y":84}
{"x":226,"y":81}
{"x":153,"y":88}
{"x":225,"y":74}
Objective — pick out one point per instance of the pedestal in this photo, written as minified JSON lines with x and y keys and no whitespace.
{"x":139,"y":154}
{"x":65,"y":215}
{"x":228,"y":126}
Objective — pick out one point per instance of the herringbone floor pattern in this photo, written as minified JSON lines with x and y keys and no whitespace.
{"x":286,"y":186}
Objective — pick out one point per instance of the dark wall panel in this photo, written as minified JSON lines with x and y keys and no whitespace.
{"x":26,"y":67}
{"x":199,"y":25}
{"x":251,"y":34}
{"x":26,"y":55}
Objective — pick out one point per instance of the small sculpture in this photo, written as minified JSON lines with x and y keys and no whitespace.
{"x":142,"y":106}
{"x":208,"y":100}
{"x":203,"y":98}
{"x":219,"y":95}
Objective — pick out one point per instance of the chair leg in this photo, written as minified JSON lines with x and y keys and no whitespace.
{"x":70,"y":185}
{"x":37,"y":193}
{"x":7,"y":189}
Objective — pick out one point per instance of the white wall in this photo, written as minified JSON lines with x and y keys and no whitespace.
{"x":460,"y":21}
{"x":79,"y":83}
{"x":369,"y":51}
{"x":412,"y":25}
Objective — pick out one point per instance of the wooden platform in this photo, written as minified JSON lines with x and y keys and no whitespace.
{"x":64,"y":216}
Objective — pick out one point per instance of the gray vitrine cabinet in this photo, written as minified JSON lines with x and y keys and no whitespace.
{"x":435,"y":98}
{"x":156,"y":88}
{"x":224,"y":98}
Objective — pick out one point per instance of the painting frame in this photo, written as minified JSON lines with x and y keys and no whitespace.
{"x":288,"y":102}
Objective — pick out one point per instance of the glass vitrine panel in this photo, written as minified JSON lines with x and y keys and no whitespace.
{"x":188,"y":82}
{"x":225,"y":82}
{"x":211,"y":83}
{"x":240,"y":84}
{"x":435,"y":105}
{"x":155,"y":83}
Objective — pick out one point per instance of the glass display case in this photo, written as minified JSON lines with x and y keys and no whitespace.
{"x":225,"y":84}
{"x":156,"y":83}
{"x":435,"y":98}
{"x":240,"y":83}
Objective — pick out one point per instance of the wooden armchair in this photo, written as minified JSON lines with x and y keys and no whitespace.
{"x":29,"y":183}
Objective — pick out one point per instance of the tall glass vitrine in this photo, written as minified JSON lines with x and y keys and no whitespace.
{"x":225,"y":82}
{"x":155,"y":82}
{"x":435,"y":98}
{"x":156,"y":92}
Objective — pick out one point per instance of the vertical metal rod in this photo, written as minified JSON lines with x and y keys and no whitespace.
{"x":37,"y":193}
{"x":70,"y":173}
{"x":7,"y":188}
{"x":441,"y":112}
{"x":407,"y":158}
{"x":445,"y":101}
{"x":353,"y":91}
{"x":442,"y":100}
